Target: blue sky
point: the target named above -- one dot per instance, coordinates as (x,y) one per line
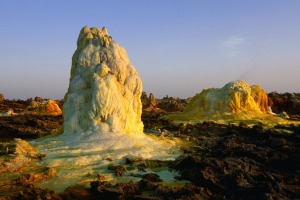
(178,47)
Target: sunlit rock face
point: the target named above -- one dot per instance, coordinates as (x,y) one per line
(105,89)
(234,98)
(48,107)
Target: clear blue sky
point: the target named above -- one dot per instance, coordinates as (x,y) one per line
(178,47)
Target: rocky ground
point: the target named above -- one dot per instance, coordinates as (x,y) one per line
(223,162)
(288,102)
(29,126)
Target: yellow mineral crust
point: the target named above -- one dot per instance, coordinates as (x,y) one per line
(236,101)
(48,107)
(105,89)
(260,97)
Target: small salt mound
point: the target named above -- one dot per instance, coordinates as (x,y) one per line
(233,99)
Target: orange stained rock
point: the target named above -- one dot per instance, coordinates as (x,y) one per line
(50,107)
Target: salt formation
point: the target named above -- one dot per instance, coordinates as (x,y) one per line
(105,89)
(235,98)
(48,107)
(19,153)
(102,114)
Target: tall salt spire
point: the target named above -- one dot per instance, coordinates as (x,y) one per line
(105,89)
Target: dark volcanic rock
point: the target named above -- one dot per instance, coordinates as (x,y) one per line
(32,192)
(171,104)
(166,104)
(105,190)
(134,160)
(75,192)
(17,105)
(38,99)
(24,186)
(29,126)
(236,178)
(244,163)
(1,97)
(147,189)
(119,170)
(152,177)
(288,102)
(144,100)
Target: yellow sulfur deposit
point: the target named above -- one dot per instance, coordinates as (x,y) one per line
(235,102)
(48,107)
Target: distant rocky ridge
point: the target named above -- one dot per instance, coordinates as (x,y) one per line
(278,102)
(38,105)
(164,105)
(22,122)
(30,126)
